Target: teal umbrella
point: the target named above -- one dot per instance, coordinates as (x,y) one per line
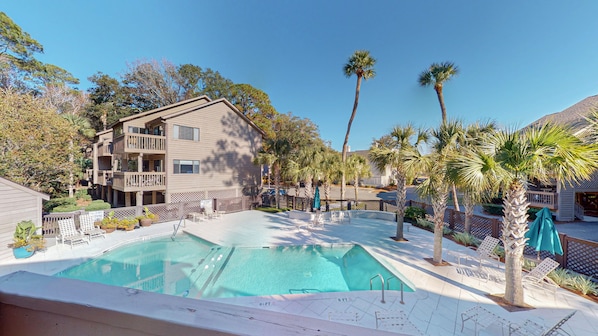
(317,198)
(542,234)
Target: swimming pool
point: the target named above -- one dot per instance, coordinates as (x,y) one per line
(195,268)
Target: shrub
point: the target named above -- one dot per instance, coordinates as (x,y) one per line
(426,224)
(561,276)
(466,239)
(82,194)
(493,209)
(65,208)
(97,205)
(584,284)
(412,212)
(56,202)
(532,212)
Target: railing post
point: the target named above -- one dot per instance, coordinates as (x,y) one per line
(495,228)
(564,243)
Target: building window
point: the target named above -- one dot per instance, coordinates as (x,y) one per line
(186,133)
(186,167)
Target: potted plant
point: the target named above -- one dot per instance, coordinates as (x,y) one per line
(154,217)
(109,223)
(147,218)
(127,224)
(26,242)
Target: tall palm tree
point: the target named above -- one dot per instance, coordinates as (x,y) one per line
(361,64)
(331,170)
(436,75)
(274,154)
(357,168)
(513,158)
(437,185)
(309,159)
(400,151)
(81,128)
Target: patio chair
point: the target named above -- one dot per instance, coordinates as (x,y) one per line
(209,212)
(482,318)
(69,234)
(486,250)
(88,227)
(538,276)
(397,321)
(531,328)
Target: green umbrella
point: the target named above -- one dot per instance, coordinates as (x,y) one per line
(542,234)
(317,198)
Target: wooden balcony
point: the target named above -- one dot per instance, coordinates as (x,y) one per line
(104,149)
(133,181)
(140,143)
(543,199)
(104,177)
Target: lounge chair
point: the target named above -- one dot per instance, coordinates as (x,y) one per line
(69,233)
(531,328)
(538,276)
(209,212)
(397,321)
(482,318)
(486,250)
(88,227)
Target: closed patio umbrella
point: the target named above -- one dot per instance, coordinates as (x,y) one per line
(317,198)
(542,234)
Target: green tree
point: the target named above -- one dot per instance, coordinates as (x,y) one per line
(513,158)
(80,128)
(274,154)
(436,75)
(444,140)
(400,151)
(19,69)
(357,168)
(34,142)
(360,64)
(255,104)
(331,167)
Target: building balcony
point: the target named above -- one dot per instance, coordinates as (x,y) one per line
(134,181)
(139,143)
(104,148)
(104,177)
(543,199)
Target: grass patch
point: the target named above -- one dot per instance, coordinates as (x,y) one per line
(272,210)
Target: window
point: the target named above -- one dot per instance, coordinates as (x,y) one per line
(186,167)
(186,133)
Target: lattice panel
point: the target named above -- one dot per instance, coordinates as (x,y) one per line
(459,224)
(233,204)
(122,213)
(480,226)
(582,256)
(188,197)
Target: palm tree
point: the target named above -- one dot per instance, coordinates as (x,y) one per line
(274,154)
(437,185)
(400,151)
(361,64)
(436,75)
(357,168)
(331,171)
(81,127)
(309,160)
(512,158)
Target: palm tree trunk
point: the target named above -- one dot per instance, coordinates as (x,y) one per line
(401,198)
(308,191)
(277,185)
(440,96)
(346,142)
(71,175)
(469,207)
(356,187)
(455,198)
(439,206)
(513,237)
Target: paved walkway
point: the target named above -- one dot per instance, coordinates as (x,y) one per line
(443,292)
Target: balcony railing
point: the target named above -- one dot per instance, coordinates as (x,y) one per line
(133,181)
(104,177)
(104,149)
(140,143)
(542,199)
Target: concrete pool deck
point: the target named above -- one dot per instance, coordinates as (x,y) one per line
(443,292)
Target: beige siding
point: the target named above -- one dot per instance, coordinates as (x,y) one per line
(15,205)
(226,149)
(141,121)
(566,197)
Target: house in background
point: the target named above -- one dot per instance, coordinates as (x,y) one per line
(17,203)
(192,150)
(569,202)
(379,178)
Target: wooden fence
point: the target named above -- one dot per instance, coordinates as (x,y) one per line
(579,255)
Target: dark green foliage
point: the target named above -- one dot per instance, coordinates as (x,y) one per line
(59,202)
(493,209)
(65,208)
(97,205)
(412,212)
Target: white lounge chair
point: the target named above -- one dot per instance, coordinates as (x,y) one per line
(486,250)
(481,318)
(538,276)
(88,227)
(69,233)
(531,328)
(344,317)
(397,321)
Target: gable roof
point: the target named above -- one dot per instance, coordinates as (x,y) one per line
(214,102)
(574,116)
(183,102)
(23,188)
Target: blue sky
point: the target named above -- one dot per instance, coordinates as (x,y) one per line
(518,60)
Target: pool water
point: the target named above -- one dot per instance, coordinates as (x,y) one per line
(194,268)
